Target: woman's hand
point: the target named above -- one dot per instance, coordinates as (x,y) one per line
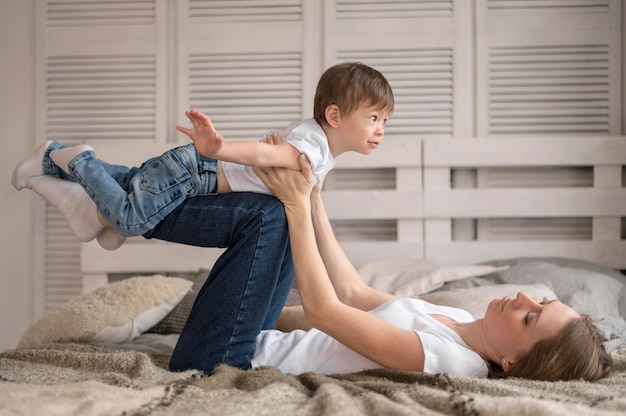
(293,188)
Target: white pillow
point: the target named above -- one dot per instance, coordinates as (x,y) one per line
(411,277)
(114,313)
(475,299)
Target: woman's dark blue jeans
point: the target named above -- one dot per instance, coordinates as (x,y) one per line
(248,285)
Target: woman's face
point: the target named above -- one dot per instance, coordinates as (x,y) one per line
(514,325)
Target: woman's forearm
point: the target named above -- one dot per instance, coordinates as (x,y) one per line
(344,277)
(317,293)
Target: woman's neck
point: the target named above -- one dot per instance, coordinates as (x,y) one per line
(473,334)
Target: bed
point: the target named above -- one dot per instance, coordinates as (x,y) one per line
(106,352)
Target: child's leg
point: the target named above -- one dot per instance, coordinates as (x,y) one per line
(153,191)
(72,201)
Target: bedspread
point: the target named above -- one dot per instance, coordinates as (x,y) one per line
(83,379)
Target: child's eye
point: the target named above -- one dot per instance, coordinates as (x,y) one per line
(373,118)
(526,318)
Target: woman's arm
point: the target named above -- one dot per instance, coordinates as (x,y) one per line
(345,278)
(360,331)
(211,144)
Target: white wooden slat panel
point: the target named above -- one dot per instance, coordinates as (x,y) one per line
(398,9)
(245,11)
(361,253)
(528,203)
(100,12)
(377,197)
(541,6)
(607,253)
(522,151)
(373,204)
(535,229)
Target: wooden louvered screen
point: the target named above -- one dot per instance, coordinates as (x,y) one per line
(128,69)
(544,68)
(100,78)
(415,45)
(245,64)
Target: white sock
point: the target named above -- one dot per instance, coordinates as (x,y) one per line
(31,166)
(63,157)
(109,239)
(72,201)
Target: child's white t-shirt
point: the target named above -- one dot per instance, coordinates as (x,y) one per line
(307,136)
(444,351)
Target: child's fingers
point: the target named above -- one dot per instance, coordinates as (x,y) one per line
(184,130)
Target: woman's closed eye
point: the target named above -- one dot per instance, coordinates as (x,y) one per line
(544,301)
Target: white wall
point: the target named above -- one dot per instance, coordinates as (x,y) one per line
(17,139)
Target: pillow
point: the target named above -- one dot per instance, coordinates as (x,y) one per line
(588,292)
(174,322)
(114,313)
(411,277)
(475,299)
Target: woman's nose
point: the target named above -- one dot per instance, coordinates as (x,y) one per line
(521,299)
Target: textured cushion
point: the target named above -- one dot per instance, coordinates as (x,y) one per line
(410,277)
(174,322)
(114,313)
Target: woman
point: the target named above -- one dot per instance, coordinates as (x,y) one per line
(519,336)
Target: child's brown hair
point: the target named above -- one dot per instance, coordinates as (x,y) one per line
(349,84)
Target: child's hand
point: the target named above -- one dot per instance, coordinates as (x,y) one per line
(207,140)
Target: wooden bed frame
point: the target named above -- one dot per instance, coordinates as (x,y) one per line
(424,204)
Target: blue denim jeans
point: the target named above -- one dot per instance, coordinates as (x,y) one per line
(135,201)
(248,285)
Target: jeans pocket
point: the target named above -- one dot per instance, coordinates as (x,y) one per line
(165,172)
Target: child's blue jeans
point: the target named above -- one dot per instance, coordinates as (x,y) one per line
(135,200)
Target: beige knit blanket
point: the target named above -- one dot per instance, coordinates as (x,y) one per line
(80,379)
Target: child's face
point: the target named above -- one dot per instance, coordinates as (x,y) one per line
(362,131)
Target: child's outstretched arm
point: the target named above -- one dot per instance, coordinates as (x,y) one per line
(211,144)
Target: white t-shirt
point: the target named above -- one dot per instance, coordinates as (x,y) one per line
(307,136)
(444,351)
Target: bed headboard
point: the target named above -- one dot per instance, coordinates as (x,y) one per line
(455,201)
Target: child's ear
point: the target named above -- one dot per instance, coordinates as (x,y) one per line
(332,114)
